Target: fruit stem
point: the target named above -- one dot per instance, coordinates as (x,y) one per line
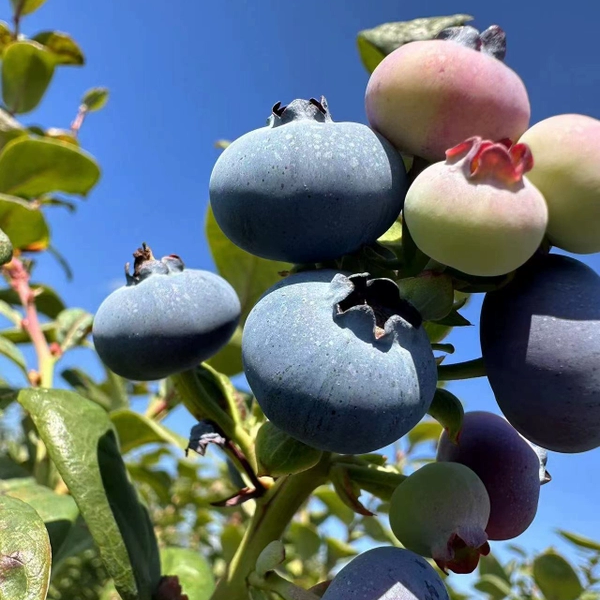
(463,370)
(273,582)
(19,278)
(273,513)
(203,406)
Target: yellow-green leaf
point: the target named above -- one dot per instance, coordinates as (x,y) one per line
(63,48)
(555,577)
(375,44)
(24,223)
(31,167)
(6,37)
(26,7)
(95,99)
(27,69)
(24,552)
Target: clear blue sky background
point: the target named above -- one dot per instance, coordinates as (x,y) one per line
(184,74)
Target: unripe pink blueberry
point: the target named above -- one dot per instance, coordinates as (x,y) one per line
(477,212)
(430,95)
(567,155)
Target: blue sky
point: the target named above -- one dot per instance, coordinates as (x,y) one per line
(184,74)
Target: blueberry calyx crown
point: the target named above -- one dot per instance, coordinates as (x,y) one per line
(502,161)
(145,265)
(492,41)
(382,296)
(315,110)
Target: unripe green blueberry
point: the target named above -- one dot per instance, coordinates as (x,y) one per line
(477,212)
(566,170)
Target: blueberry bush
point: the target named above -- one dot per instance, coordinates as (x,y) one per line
(343,256)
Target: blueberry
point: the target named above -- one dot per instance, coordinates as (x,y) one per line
(506,464)
(164,320)
(387,573)
(540,341)
(339,362)
(306,189)
(441,511)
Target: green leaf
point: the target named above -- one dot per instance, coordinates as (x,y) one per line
(271,557)
(63,48)
(305,539)
(448,411)
(414,260)
(454,319)
(377,480)
(58,512)
(24,223)
(27,69)
(81,442)
(374,529)
(47,300)
(279,454)
(555,577)
(375,44)
(336,507)
(54,201)
(489,565)
(25,554)
(370,55)
(72,327)
(337,550)
(231,538)
(83,384)
(10,128)
(430,293)
(228,360)
(195,575)
(347,490)
(425,431)
(9,469)
(579,540)
(6,37)
(494,586)
(26,7)
(159,481)
(31,167)
(19,336)
(6,248)
(14,316)
(249,275)
(136,430)
(95,99)
(13,353)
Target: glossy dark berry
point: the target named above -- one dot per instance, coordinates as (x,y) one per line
(540,340)
(387,573)
(507,465)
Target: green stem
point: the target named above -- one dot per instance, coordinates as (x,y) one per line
(273,513)
(275,583)
(202,405)
(463,370)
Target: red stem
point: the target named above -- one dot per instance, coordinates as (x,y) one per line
(19,280)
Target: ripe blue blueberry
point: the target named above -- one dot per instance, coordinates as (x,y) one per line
(340,362)
(540,340)
(306,189)
(387,573)
(165,320)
